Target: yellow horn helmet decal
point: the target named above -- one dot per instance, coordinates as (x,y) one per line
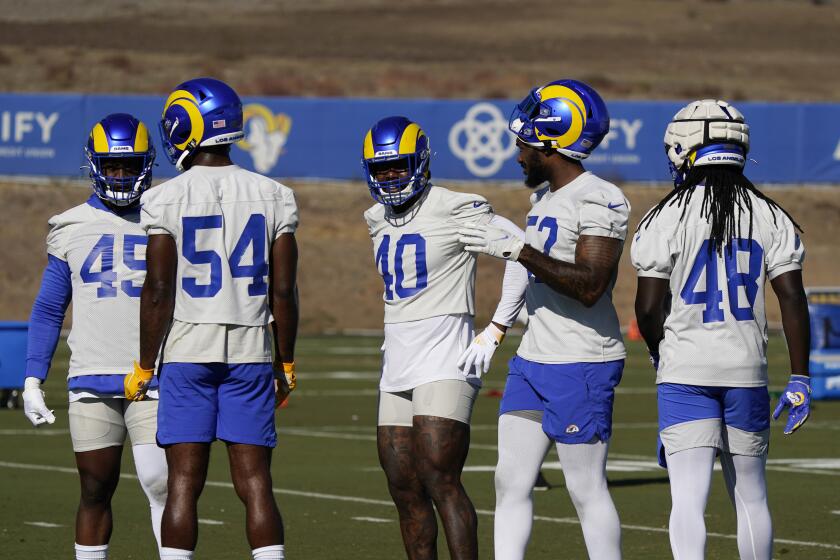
(188,101)
(577,108)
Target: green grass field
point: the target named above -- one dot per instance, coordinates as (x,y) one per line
(333,495)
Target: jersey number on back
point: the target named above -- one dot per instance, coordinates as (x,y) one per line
(103,251)
(713,297)
(253,236)
(408,240)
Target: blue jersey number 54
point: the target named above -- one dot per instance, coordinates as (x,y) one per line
(253,235)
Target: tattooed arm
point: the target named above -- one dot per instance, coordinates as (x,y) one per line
(586,280)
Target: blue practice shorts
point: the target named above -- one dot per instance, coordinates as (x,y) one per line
(204,402)
(732,419)
(576,399)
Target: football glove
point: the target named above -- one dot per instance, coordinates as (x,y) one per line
(34,406)
(137,382)
(654,361)
(493,241)
(797,395)
(478,354)
(283,386)
(289,372)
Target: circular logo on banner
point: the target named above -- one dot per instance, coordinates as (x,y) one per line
(482,140)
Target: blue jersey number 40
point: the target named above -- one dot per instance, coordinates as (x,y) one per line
(712,297)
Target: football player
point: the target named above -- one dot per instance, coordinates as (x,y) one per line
(96,258)
(425,400)
(222,261)
(561,383)
(703,255)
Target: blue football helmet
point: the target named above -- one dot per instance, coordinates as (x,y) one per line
(565,115)
(122,140)
(200,112)
(392,142)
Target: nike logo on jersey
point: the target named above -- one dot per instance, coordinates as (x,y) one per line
(477,204)
(612,206)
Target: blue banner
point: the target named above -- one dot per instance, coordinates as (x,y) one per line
(824,309)
(322,137)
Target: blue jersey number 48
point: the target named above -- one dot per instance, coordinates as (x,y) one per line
(711,297)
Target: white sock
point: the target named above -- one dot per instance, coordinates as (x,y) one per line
(175,554)
(690,472)
(95,552)
(273,552)
(522,448)
(585,470)
(747,488)
(150,462)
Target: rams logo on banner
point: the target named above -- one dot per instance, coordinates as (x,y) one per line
(265,135)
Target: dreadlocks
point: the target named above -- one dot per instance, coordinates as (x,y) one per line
(725,197)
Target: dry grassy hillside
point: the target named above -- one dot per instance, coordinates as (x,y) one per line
(340,288)
(643,49)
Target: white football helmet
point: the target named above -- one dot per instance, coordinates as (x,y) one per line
(706,132)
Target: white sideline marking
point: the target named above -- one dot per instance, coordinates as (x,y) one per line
(388,503)
(33,431)
(372,519)
(42,524)
(633,463)
(346,375)
(352,350)
(337,393)
(210,522)
(836,512)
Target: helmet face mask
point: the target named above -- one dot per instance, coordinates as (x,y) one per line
(200,112)
(395,159)
(120,157)
(567,116)
(705,132)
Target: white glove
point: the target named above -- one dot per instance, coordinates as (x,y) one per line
(480,351)
(33,403)
(490,240)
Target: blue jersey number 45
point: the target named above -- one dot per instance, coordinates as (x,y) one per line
(707,260)
(103,251)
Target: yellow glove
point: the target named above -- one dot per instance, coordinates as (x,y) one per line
(289,371)
(137,382)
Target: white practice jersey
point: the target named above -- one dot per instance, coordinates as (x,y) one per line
(716,329)
(425,269)
(561,329)
(106,254)
(223,220)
